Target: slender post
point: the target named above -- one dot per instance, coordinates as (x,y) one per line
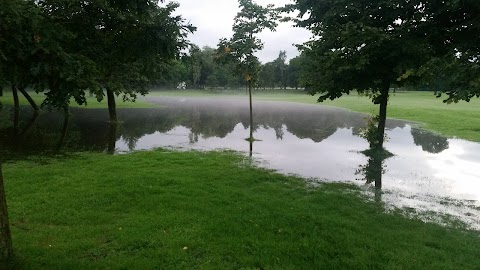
(251,108)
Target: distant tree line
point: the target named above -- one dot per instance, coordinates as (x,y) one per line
(199,68)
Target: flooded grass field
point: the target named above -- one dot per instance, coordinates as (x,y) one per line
(428,173)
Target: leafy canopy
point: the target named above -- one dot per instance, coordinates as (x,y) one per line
(241,48)
(360,45)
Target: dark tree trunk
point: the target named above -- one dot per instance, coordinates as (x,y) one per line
(112,107)
(29,98)
(6,247)
(66,121)
(112,137)
(251,147)
(251,108)
(16,122)
(378,163)
(16,102)
(29,125)
(382,114)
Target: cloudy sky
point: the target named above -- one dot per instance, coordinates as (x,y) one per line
(214,20)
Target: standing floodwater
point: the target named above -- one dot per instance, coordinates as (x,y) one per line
(428,172)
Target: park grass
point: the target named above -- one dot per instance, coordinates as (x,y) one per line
(460,120)
(92,103)
(195,210)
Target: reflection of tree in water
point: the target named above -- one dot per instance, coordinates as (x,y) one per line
(89,128)
(429,141)
(373,171)
(24,135)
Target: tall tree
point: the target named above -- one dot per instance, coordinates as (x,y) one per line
(6,248)
(131,43)
(266,76)
(19,37)
(281,69)
(241,48)
(362,45)
(455,37)
(195,65)
(294,69)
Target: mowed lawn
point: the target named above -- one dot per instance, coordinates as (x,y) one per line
(453,120)
(195,210)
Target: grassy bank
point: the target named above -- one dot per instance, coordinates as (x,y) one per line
(191,210)
(454,120)
(7,99)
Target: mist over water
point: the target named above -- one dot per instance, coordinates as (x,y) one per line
(428,172)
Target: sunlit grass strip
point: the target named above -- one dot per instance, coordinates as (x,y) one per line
(194,210)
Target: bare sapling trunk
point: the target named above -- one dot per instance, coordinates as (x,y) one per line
(6,247)
(251,108)
(112,107)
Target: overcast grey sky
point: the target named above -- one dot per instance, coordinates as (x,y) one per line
(214,19)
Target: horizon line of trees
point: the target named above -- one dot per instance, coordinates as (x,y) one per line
(200,69)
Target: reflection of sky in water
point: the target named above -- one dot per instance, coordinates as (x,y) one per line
(413,178)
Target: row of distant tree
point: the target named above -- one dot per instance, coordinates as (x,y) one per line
(200,69)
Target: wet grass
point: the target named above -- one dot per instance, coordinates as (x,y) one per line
(194,210)
(7,99)
(454,120)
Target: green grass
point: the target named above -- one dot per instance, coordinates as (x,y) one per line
(193,210)
(453,120)
(7,99)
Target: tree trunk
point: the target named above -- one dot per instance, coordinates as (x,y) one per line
(251,108)
(6,247)
(112,137)
(66,121)
(382,114)
(29,125)
(112,107)
(29,98)
(16,122)
(251,148)
(378,170)
(16,102)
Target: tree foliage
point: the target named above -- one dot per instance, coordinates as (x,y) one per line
(241,48)
(455,37)
(69,48)
(361,45)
